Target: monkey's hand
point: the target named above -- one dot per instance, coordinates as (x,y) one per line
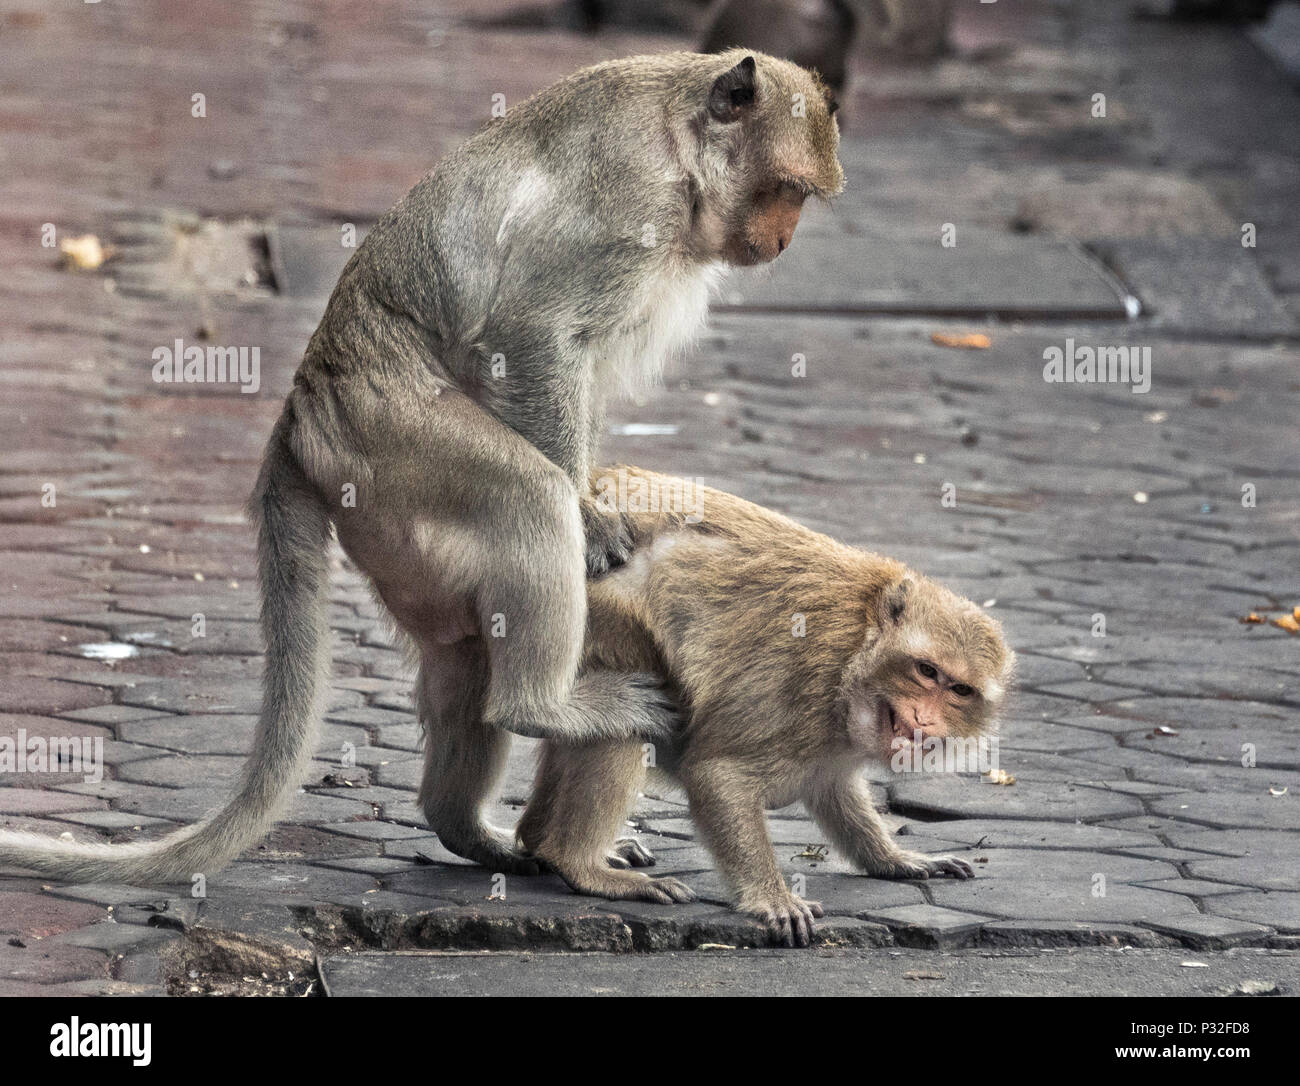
(629,852)
(788,918)
(609,538)
(916,865)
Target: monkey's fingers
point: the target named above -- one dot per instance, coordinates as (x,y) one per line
(632,853)
(951,865)
(677,890)
(609,539)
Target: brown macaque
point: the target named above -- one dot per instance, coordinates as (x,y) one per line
(798,662)
(447,413)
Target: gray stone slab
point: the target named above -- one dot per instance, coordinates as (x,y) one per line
(1262,812)
(907,273)
(1212,932)
(117,938)
(1068,933)
(1275,910)
(928,925)
(1199,284)
(1034,884)
(273,882)
(895,972)
(964,797)
(986,833)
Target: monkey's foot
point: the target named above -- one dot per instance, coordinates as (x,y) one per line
(788,917)
(915,865)
(493,850)
(623,885)
(609,538)
(629,852)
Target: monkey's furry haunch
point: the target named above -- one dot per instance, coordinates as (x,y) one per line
(447,412)
(798,660)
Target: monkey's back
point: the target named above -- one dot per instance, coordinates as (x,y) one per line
(751,614)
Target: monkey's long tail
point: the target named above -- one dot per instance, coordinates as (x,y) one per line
(293,534)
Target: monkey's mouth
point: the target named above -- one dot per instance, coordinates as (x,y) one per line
(893,727)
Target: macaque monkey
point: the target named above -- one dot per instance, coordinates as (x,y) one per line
(446,413)
(798,661)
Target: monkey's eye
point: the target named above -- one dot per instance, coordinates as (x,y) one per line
(962,690)
(927,669)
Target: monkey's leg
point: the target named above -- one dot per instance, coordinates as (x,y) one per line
(727,805)
(463,521)
(842,807)
(463,757)
(585,793)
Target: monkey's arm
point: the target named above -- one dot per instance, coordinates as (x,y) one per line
(727,805)
(842,807)
(548,397)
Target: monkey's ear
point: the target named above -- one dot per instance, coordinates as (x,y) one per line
(732,92)
(894,601)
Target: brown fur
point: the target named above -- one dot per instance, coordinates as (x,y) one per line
(772,716)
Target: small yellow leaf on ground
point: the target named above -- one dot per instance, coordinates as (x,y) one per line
(1288,623)
(1251,619)
(1000,776)
(971,341)
(84,253)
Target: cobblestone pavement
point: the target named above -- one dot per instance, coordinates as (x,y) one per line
(1119,536)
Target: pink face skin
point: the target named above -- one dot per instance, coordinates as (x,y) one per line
(768,229)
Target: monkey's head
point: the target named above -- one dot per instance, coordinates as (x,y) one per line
(768,141)
(938,666)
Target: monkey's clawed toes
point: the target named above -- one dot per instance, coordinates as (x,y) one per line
(673,891)
(629,852)
(609,540)
(950,865)
(914,865)
(789,921)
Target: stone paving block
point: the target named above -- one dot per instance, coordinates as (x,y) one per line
(272,882)
(377,866)
(30,801)
(1266,860)
(30,915)
(1068,933)
(112,896)
(928,925)
(111,821)
(1212,932)
(471,885)
(1276,909)
(223,734)
(1260,812)
(1044,885)
(377,830)
(116,938)
(963,797)
(47,962)
(910,274)
(1199,284)
(985,833)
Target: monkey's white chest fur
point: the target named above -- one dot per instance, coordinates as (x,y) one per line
(662,322)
